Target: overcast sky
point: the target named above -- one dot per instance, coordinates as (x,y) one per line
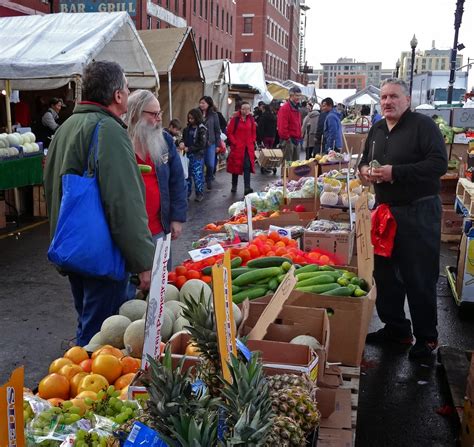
(378,30)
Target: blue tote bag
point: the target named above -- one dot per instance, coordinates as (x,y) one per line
(82,242)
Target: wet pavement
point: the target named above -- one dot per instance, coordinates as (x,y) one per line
(398,398)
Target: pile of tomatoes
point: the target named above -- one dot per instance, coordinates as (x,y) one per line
(263,245)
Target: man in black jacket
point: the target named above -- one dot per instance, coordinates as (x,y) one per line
(411,156)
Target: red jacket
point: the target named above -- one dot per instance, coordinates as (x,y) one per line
(241,135)
(289,122)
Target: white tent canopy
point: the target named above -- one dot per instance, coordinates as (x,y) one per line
(47,51)
(337,95)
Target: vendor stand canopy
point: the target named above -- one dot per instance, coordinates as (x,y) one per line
(249,77)
(174,54)
(337,95)
(40,52)
(368,96)
(280,90)
(216,75)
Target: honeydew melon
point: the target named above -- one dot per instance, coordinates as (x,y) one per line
(134,337)
(193,288)
(113,330)
(133,309)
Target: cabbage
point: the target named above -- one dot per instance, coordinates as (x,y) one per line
(329,198)
(14,139)
(236,208)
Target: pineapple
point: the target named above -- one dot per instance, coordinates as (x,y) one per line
(190,432)
(247,402)
(280,381)
(299,405)
(202,327)
(285,432)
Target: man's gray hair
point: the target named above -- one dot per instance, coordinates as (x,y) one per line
(137,102)
(101,80)
(294,90)
(396,81)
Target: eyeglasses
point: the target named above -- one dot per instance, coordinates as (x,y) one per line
(156,115)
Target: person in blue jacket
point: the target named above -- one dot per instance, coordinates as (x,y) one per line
(332,131)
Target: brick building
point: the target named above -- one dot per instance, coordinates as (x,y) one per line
(268,31)
(213,21)
(347,73)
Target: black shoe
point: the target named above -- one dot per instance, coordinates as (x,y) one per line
(248,191)
(209,185)
(233,189)
(422,350)
(384,336)
(199,197)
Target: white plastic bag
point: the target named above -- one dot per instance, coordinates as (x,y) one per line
(185,163)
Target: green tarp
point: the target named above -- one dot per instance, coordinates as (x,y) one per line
(22,172)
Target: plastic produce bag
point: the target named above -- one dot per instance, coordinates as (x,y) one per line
(185,163)
(384,229)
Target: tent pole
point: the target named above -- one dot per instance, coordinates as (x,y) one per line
(7,105)
(170,99)
(78,88)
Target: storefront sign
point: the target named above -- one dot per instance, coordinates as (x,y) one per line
(463,117)
(129,6)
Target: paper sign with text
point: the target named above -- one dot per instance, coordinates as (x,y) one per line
(248,203)
(156,301)
(224,313)
(206,252)
(365,249)
(12,432)
(281,231)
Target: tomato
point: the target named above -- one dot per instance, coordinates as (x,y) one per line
(280,244)
(324,259)
(180,280)
(254,251)
(262,237)
(245,255)
(270,242)
(280,251)
(300,208)
(266,248)
(292,243)
(299,259)
(285,240)
(271,253)
(193,274)
(180,270)
(274,236)
(207,279)
(171,276)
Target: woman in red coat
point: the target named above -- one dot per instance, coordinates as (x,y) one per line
(242,134)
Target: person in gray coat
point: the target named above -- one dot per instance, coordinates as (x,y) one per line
(308,131)
(211,121)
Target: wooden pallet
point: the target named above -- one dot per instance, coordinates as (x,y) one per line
(351,381)
(450,237)
(221,165)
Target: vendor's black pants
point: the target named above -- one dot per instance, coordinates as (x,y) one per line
(412,270)
(247,169)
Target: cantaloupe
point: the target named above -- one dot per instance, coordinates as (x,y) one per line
(113,329)
(193,288)
(176,307)
(133,309)
(96,339)
(171,293)
(307,340)
(179,324)
(167,327)
(134,338)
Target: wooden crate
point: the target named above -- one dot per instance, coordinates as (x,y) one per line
(351,381)
(465,195)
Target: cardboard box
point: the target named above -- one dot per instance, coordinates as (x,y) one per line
(291,322)
(305,170)
(326,167)
(285,219)
(451,221)
(467,424)
(465,268)
(340,418)
(355,142)
(330,437)
(448,188)
(270,158)
(340,244)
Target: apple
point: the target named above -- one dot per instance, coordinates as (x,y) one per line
(300,208)
(93,382)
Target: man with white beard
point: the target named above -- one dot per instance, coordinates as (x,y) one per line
(165,187)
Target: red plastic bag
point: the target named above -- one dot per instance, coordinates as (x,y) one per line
(384,228)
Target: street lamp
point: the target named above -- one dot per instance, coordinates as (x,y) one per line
(454,51)
(413,44)
(397,66)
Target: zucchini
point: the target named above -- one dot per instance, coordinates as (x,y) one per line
(235,273)
(340,291)
(251,294)
(256,275)
(235,263)
(307,269)
(319,289)
(317,280)
(270,261)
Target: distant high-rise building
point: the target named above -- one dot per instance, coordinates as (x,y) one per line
(347,73)
(427,60)
(268,31)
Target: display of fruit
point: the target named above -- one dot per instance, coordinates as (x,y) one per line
(85,439)
(285,432)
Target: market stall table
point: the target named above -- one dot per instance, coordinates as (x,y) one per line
(21,172)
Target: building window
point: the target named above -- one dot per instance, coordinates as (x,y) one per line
(230,55)
(268,27)
(158,24)
(231,24)
(227,22)
(222,53)
(200,8)
(167,4)
(248,25)
(205,48)
(217,16)
(217,52)
(205,9)
(176,6)
(227,54)
(200,46)
(247,56)
(223,17)
(212,12)
(194,6)
(149,22)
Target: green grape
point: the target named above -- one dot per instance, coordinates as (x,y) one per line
(110,390)
(67,404)
(74,410)
(100,395)
(116,394)
(118,405)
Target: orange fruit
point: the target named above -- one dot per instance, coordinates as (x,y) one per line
(69,371)
(55,401)
(75,382)
(92,382)
(130,365)
(86,365)
(57,364)
(124,381)
(108,366)
(108,349)
(77,354)
(87,393)
(54,385)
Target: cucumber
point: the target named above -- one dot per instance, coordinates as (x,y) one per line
(307,269)
(270,261)
(340,291)
(349,275)
(235,263)
(317,280)
(326,268)
(309,275)
(236,289)
(256,275)
(273,284)
(240,271)
(343,282)
(251,294)
(358,292)
(145,169)
(319,289)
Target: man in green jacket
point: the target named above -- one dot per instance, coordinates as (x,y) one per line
(105,97)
